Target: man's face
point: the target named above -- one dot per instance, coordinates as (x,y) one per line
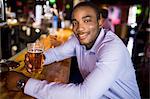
(85,25)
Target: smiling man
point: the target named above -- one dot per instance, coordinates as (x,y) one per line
(86,25)
(103,60)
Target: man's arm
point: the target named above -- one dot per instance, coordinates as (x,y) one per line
(94,85)
(61,52)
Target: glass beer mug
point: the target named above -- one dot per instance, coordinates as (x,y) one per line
(36,58)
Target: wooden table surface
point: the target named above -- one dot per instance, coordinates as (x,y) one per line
(58,71)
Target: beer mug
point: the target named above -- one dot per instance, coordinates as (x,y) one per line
(35,54)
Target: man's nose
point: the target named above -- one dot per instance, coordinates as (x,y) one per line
(80,27)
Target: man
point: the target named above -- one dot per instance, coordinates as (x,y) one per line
(103,60)
(105,21)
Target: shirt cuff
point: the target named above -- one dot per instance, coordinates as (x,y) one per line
(31,86)
(49,56)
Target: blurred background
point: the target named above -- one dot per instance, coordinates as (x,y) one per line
(23,21)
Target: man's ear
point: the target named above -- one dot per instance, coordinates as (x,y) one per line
(100,22)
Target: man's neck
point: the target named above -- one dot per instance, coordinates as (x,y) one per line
(90,45)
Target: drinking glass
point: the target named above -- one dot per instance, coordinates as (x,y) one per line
(36,57)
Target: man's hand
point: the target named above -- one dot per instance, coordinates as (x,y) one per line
(28,66)
(12,79)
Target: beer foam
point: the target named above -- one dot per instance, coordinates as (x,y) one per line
(35,50)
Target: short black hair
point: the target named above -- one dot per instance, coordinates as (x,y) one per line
(88,4)
(104,13)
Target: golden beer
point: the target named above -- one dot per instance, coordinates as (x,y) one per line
(35,55)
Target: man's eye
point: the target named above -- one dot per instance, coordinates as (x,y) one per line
(74,23)
(86,21)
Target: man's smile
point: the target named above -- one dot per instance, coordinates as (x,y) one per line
(83,36)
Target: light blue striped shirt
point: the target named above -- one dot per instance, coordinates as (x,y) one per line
(106,68)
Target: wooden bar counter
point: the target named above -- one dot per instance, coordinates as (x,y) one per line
(58,71)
